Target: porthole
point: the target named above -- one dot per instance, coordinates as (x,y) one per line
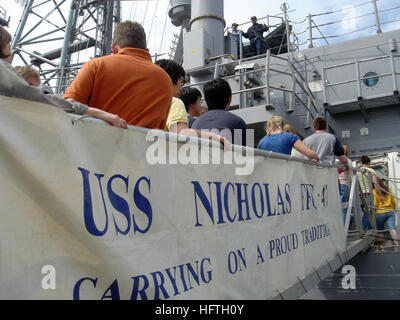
(370,79)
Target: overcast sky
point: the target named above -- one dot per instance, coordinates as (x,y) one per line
(153,15)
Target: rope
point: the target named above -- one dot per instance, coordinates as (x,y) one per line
(343,9)
(323,37)
(299,33)
(345,34)
(145,13)
(152,21)
(334,22)
(300,22)
(361,16)
(134,14)
(163,33)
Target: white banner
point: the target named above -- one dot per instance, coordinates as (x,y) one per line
(86,215)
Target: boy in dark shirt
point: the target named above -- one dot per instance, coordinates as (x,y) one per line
(218,96)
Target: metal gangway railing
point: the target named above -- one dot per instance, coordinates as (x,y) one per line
(297,89)
(358,79)
(358,240)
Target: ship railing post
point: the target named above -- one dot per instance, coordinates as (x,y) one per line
(307,125)
(378,25)
(267,64)
(285,8)
(353,188)
(394,75)
(242,95)
(324,86)
(310,32)
(357,64)
(370,199)
(358,212)
(240,46)
(293,93)
(216,70)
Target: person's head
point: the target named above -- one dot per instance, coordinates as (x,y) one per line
(253,19)
(382,185)
(175,72)
(30,75)
(191,97)
(128,34)
(218,94)
(346,150)
(320,123)
(234,26)
(273,124)
(5,45)
(289,128)
(365,161)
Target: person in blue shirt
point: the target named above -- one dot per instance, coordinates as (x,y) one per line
(235,37)
(279,141)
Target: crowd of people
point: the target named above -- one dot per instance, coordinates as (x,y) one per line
(127,88)
(326,147)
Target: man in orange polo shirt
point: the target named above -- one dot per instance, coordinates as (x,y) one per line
(126,83)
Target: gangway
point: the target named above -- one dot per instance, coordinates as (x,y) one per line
(93,212)
(376,268)
(357,243)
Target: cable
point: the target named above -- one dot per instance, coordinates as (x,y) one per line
(152,21)
(334,22)
(165,24)
(343,9)
(345,34)
(361,16)
(294,22)
(145,13)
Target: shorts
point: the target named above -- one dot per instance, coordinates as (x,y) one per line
(385,221)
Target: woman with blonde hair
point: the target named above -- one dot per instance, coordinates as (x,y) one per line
(277,140)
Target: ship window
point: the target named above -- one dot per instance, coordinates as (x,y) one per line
(370,79)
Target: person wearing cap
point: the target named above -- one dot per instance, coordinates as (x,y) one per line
(256,35)
(235,35)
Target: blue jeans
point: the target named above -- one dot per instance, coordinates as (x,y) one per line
(365,221)
(344,197)
(385,220)
(257,47)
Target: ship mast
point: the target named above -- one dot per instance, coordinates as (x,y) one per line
(89,25)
